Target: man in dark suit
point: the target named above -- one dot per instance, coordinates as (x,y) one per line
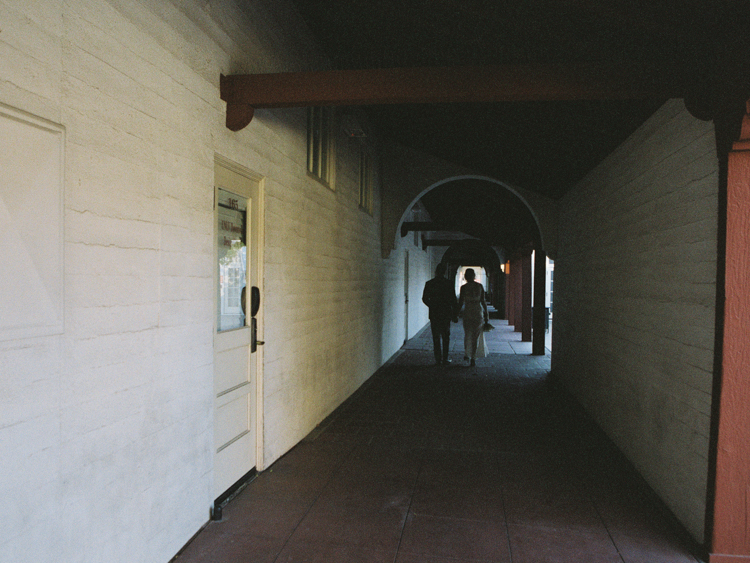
(440,297)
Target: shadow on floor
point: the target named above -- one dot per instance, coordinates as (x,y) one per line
(448,464)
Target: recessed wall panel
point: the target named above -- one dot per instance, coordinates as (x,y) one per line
(31,226)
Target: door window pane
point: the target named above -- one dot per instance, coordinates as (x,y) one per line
(232,258)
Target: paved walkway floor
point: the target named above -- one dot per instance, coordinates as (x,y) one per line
(448,464)
(502,340)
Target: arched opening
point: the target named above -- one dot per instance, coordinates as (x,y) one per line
(480,273)
(482,222)
(482,207)
(466,253)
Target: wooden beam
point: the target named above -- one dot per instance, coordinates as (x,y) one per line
(508,83)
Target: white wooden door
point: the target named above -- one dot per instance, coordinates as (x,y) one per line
(238,216)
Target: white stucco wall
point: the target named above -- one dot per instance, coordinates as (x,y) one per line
(635,292)
(334,308)
(106,426)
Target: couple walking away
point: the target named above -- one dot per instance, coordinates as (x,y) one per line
(440,297)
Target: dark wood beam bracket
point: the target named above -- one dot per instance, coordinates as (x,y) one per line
(239,116)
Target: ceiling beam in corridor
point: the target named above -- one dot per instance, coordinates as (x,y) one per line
(506,83)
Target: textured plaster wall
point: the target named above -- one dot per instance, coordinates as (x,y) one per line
(106,429)
(635,291)
(335,310)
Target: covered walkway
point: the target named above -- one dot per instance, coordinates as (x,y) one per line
(449,464)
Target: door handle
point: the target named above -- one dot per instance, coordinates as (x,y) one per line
(254,342)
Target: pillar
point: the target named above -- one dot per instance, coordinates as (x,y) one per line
(508,286)
(517,269)
(730,531)
(526,298)
(539,321)
(498,298)
(512,293)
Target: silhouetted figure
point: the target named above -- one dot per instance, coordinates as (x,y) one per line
(440,297)
(475,313)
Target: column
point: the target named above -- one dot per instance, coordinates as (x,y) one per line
(517,268)
(540,313)
(730,536)
(526,298)
(512,293)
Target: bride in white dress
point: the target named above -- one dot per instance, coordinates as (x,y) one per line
(475,313)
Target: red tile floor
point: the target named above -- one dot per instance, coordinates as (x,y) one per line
(449,464)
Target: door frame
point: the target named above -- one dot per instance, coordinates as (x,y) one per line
(258,262)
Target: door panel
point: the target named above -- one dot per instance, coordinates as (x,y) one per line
(232,421)
(238,265)
(231,365)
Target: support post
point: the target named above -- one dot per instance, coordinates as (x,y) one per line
(508,285)
(540,313)
(518,296)
(498,290)
(730,536)
(511,294)
(526,298)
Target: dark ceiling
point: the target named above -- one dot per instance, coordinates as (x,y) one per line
(461,205)
(545,147)
(542,146)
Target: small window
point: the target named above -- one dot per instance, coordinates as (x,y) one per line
(365,180)
(320,137)
(232,259)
